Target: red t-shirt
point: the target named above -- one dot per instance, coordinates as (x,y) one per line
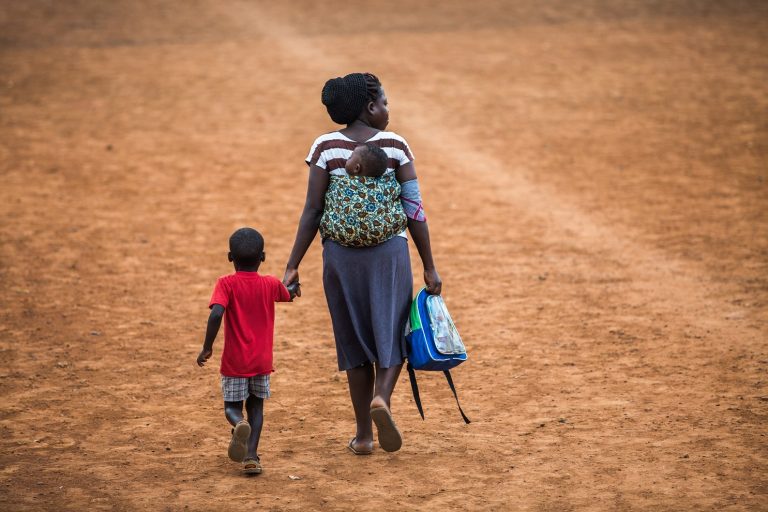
(249,321)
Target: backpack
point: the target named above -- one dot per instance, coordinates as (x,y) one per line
(432,343)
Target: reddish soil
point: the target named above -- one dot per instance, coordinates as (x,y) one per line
(595,178)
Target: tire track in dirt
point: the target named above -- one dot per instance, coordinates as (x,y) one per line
(671,283)
(632,399)
(650,286)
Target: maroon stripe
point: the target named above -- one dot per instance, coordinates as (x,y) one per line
(335,163)
(330,144)
(351,145)
(394,143)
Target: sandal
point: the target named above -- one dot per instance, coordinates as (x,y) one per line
(252,466)
(351,447)
(390,438)
(237,448)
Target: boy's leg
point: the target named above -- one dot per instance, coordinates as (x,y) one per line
(255,407)
(235,390)
(234,412)
(361,381)
(237,445)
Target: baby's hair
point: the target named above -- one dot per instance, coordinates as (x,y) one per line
(246,246)
(375,159)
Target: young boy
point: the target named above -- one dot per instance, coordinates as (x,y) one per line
(248,299)
(363,209)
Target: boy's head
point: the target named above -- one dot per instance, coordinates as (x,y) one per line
(246,248)
(367,160)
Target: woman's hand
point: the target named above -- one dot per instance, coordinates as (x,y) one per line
(433,282)
(291,276)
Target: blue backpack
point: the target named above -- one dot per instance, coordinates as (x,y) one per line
(432,343)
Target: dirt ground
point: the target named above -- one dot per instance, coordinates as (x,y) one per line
(595,179)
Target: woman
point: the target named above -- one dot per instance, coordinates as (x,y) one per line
(368,289)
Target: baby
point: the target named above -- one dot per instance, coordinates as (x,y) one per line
(363,209)
(367,160)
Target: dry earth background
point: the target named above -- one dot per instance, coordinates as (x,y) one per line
(595,175)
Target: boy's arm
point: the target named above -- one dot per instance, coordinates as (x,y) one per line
(214,323)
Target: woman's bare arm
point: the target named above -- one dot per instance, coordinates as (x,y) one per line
(420,234)
(309,222)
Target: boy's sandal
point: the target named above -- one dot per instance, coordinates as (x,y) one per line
(357,451)
(252,467)
(390,438)
(237,446)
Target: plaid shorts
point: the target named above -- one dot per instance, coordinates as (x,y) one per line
(236,389)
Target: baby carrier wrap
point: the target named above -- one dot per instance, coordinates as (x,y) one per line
(362,211)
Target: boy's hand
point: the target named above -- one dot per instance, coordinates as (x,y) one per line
(294,289)
(205,354)
(291,282)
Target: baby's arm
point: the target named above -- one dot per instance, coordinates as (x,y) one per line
(214,323)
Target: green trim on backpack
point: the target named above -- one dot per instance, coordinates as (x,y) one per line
(415,319)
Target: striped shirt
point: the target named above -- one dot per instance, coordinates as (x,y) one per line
(331,151)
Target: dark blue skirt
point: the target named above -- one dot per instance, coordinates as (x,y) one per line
(369,297)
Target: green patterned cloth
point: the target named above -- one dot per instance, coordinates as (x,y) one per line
(362,211)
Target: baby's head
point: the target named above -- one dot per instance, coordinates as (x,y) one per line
(246,249)
(367,160)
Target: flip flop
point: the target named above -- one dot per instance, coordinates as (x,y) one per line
(252,467)
(390,438)
(237,448)
(351,447)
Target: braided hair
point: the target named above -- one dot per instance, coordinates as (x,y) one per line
(346,97)
(372,86)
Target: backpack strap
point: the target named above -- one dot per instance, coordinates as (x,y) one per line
(417,397)
(453,388)
(415,389)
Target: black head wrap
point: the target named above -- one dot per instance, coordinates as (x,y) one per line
(345,98)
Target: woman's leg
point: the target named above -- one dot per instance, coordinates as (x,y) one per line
(390,438)
(386,378)
(361,381)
